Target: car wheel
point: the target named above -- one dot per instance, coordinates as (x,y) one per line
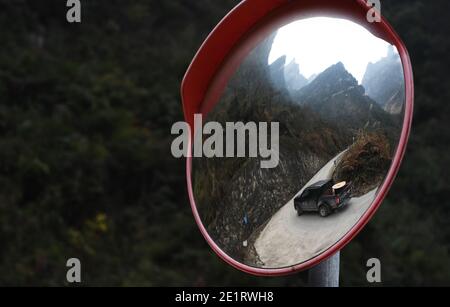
(324,211)
(299,212)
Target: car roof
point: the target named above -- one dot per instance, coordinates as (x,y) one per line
(319,184)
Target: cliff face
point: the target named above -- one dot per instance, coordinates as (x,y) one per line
(253,195)
(384,83)
(333,80)
(276,70)
(337,98)
(231,191)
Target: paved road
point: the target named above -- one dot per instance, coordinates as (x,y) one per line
(289,239)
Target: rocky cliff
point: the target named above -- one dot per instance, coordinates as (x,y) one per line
(337,98)
(384,83)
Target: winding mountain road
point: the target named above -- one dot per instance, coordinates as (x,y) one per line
(288,239)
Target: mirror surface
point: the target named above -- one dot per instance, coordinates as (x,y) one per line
(338,94)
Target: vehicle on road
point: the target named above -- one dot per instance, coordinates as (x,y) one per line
(324,197)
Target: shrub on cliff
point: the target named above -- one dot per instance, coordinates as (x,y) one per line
(365,163)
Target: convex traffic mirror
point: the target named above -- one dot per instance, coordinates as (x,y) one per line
(327,97)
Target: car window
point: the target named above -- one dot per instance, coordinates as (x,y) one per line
(306,194)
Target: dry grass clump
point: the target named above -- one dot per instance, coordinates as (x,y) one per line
(365,163)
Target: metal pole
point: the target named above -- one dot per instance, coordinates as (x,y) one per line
(326,274)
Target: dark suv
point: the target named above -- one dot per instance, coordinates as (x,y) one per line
(323,197)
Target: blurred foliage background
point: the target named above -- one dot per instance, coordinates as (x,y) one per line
(85,164)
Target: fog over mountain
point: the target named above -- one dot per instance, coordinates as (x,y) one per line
(294,79)
(384,82)
(286,77)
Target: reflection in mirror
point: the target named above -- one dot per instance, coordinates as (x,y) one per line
(338,94)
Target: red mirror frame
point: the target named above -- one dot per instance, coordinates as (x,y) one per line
(225,48)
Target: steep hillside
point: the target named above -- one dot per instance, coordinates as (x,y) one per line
(337,98)
(384,83)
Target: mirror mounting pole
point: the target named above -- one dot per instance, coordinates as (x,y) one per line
(325,274)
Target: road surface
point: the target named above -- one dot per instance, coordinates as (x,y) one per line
(288,239)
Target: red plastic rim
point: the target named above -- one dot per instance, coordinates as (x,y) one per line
(227,45)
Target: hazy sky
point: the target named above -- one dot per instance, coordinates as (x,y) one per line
(317,43)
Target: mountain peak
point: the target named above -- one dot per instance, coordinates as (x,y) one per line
(333,80)
(336,68)
(337,74)
(339,65)
(384,82)
(294,79)
(280,62)
(292,62)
